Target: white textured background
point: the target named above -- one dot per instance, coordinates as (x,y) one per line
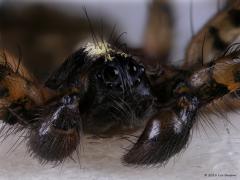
(210,151)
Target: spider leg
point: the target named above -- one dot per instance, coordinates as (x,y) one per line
(51,120)
(58,124)
(219,34)
(19,91)
(57,130)
(167,133)
(211,41)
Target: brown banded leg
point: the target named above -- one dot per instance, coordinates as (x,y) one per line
(211,42)
(19,91)
(53,127)
(20,94)
(51,118)
(218,78)
(224,71)
(214,38)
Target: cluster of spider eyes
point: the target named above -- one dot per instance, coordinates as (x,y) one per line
(111,75)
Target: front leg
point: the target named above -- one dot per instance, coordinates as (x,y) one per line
(57,132)
(166,134)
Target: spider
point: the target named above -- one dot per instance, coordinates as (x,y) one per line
(101,89)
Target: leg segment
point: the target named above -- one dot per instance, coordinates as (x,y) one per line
(216,79)
(53,121)
(212,40)
(57,132)
(166,134)
(19,92)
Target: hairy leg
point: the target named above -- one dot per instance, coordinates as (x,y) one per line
(219,33)
(19,91)
(56,134)
(168,132)
(51,121)
(213,39)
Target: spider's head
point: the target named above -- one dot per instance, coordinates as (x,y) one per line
(115,91)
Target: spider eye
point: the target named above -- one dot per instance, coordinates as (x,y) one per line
(110,74)
(132,69)
(142,69)
(136,72)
